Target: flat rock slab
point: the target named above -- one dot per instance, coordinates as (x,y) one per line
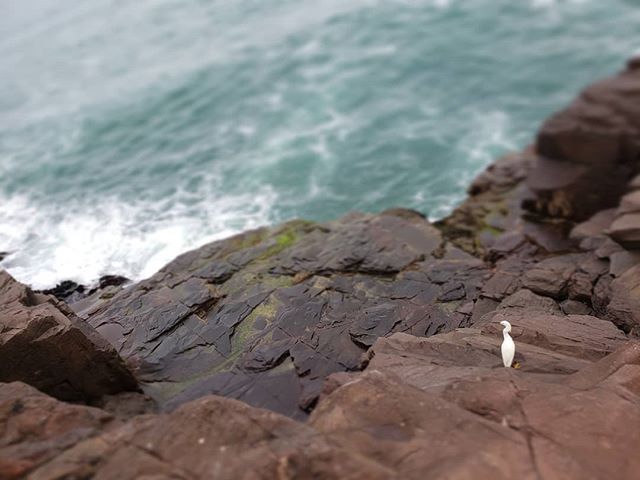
(502,424)
(44,344)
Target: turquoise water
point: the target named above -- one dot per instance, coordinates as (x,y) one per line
(132,131)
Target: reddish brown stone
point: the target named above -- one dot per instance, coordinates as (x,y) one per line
(44,344)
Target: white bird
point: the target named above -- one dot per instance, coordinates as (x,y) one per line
(508,348)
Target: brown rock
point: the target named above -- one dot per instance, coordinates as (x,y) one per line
(418,434)
(622,261)
(551,276)
(579,336)
(526,299)
(44,344)
(630,203)
(574,307)
(44,439)
(625,230)
(596,225)
(624,305)
(628,354)
(589,150)
(36,428)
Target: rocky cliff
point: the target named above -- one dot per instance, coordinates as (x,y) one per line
(366,347)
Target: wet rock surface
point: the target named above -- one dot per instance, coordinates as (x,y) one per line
(264,317)
(380,332)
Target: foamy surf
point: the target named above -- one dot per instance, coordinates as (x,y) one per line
(50,243)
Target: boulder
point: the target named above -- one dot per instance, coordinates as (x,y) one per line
(44,344)
(588,151)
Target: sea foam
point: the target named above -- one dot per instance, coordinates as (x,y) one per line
(48,243)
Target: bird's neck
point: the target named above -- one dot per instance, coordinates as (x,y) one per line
(505,334)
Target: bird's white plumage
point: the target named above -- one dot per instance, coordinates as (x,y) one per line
(508,347)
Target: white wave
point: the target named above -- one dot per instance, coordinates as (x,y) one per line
(50,243)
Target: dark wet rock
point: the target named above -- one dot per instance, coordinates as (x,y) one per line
(125,405)
(44,344)
(112,281)
(383,244)
(67,290)
(267,315)
(87,305)
(490,221)
(74,293)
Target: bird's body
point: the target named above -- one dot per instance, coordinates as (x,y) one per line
(508,347)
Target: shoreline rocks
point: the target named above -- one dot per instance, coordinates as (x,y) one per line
(376,336)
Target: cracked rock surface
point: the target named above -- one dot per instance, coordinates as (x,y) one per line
(363,348)
(265,316)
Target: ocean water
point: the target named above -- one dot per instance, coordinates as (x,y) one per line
(133,131)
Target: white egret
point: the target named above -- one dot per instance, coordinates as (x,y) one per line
(508,348)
